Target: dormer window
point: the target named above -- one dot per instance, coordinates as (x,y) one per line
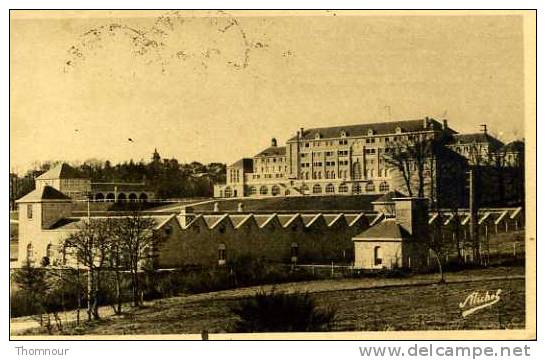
(317,136)
(343,133)
(398,130)
(370,132)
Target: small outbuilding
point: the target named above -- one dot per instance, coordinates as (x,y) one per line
(398,241)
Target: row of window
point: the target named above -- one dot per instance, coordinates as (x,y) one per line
(344,188)
(368,140)
(273,168)
(234,175)
(268,160)
(344,174)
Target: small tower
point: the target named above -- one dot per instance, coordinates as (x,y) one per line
(273,142)
(39,211)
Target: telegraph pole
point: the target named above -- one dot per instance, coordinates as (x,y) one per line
(473,209)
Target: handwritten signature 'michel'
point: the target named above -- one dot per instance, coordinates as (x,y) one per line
(478,300)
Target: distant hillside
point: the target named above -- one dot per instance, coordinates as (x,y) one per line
(301,203)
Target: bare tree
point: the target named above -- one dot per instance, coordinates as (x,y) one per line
(413,156)
(439,245)
(90,245)
(136,238)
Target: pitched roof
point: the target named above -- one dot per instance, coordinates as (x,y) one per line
(380,128)
(272,151)
(386,229)
(245,163)
(514,146)
(61,171)
(44,193)
(477,138)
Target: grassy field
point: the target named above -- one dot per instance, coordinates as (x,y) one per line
(304,203)
(419,306)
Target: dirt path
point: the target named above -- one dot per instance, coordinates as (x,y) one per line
(18,325)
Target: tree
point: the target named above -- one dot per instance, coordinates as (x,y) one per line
(90,245)
(32,283)
(412,156)
(136,238)
(438,245)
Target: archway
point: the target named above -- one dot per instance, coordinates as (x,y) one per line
(275,190)
(99,197)
(143,197)
(133,197)
(122,197)
(110,197)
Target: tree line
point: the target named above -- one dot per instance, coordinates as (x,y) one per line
(166,177)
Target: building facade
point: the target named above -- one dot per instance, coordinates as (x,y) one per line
(68,181)
(352,160)
(393,235)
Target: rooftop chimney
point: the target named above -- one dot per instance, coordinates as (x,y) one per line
(274,142)
(444,126)
(301,132)
(425,122)
(484,128)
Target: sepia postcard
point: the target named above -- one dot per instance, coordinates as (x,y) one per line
(245,174)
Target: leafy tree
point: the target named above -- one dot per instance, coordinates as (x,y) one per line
(33,285)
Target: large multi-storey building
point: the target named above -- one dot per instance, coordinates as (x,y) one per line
(333,160)
(351,159)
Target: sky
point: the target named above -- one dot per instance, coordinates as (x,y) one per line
(217,86)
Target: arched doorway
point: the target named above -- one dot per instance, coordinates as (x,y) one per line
(143,197)
(99,196)
(133,197)
(110,197)
(122,197)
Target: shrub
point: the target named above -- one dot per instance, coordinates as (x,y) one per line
(279,312)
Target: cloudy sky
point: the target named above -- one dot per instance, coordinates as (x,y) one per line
(216,86)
